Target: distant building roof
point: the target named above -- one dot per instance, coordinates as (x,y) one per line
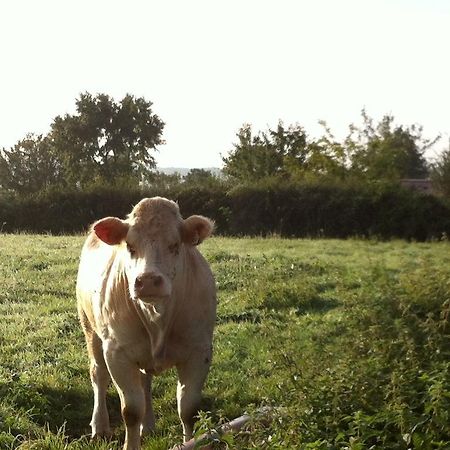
(418,184)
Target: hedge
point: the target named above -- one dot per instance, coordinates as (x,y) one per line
(309,209)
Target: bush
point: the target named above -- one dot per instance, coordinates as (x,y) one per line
(306,209)
(336,210)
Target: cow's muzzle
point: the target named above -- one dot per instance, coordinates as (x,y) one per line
(151,285)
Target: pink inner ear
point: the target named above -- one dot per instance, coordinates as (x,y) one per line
(111,230)
(103,232)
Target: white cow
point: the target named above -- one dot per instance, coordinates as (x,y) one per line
(147,302)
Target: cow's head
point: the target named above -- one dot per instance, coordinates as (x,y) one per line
(152,238)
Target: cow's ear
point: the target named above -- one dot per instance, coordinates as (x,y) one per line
(196,229)
(111,230)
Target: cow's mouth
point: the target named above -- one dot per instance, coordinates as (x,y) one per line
(152,299)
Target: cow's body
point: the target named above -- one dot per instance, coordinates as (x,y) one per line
(147,302)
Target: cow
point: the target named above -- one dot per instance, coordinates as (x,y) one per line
(146,302)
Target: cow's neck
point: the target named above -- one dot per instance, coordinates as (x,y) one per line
(158,317)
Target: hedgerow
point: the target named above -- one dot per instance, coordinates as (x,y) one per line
(302,209)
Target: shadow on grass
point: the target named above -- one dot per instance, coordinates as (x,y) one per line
(58,293)
(317,305)
(251,316)
(73,408)
(274,307)
(303,304)
(70,408)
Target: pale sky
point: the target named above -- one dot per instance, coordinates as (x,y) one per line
(211,66)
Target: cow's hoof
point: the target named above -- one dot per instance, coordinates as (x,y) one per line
(102,435)
(147,430)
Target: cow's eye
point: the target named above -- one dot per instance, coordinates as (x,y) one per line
(174,248)
(131,250)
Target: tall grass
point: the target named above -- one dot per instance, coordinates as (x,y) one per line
(347,341)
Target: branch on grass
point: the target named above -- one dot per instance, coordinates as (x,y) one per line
(206,441)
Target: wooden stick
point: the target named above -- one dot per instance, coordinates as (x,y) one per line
(234,425)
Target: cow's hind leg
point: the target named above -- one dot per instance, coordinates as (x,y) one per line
(100,380)
(128,379)
(191,377)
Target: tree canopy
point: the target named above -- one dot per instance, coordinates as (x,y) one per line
(266,153)
(388,151)
(107,139)
(104,140)
(383,151)
(29,166)
(440,172)
(113,142)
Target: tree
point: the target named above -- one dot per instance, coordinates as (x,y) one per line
(162,181)
(440,173)
(284,152)
(266,153)
(106,140)
(200,177)
(387,151)
(29,166)
(325,157)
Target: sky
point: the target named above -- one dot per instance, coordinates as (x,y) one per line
(211,66)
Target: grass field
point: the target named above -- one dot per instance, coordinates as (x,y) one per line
(347,340)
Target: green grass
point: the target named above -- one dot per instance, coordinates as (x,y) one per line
(347,340)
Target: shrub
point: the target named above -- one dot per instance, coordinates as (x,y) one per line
(304,209)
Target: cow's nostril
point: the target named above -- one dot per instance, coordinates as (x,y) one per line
(138,284)
(157,280)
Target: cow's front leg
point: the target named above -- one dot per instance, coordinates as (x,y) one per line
(191,377)
(127,378)
(100,381)
(148,424)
